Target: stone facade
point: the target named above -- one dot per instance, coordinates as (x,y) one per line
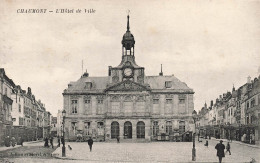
(127,103)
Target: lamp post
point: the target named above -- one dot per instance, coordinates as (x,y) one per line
(194,114)
(63,134)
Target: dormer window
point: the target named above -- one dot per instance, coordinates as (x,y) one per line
(168,84)
(88,85)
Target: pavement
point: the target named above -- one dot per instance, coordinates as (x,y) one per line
(143,152)
(237,142)
(154,152)
(31,143)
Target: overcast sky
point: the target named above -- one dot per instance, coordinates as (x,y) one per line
(210,45)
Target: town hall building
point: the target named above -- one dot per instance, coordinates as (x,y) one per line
(127,103)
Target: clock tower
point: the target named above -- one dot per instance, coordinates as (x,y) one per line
(127,69)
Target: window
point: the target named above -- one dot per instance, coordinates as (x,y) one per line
(168,101)
(20,121)
(115,106)
(156,108)
(19,107)
(253,102)
(100,106)
(87,128)
(140,130)
(88,85)
(6,91)
(181,127)
(155,128)
(247,105)
(169,127)
(168,106)
(74,127)
(168,84)
(74,106)
(114,130)
(100,128)
(87,106)
(181,101)
(155,101)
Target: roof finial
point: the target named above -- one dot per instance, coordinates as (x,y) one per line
(128,27)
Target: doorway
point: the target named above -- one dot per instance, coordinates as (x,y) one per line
(128,130)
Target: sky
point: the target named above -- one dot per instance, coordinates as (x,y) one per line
(210,45)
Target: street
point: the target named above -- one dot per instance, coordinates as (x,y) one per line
(131,152)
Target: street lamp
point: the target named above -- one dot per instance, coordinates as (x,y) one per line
(63,134)
(194,115)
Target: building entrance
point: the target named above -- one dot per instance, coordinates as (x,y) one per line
(128,130)
(114,130)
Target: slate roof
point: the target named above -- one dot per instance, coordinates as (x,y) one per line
(156,83)
(99,84)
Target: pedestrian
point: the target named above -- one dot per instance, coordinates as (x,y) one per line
(118,139)
(206,144)
(21,140)
(13,141)
(220,150)
(46,144)
(90,143)
(58,141)
(228,148)
(253,139)
(7,141)
(51,141)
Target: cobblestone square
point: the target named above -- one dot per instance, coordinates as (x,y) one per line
(156,152)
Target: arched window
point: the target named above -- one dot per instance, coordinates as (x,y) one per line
(128,130)
(140,130)
(114,130)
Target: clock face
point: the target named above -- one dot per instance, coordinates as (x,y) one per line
(128,72)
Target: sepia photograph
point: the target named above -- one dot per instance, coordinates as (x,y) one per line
(129,81)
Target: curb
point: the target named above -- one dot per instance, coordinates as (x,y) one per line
(237,142)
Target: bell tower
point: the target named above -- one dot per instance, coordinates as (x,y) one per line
(127,69)
(128,41)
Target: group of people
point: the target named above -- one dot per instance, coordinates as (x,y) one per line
(250,137)
(12,141)
(46,141)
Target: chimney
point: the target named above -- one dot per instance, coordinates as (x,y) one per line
(161,73)
(109,70)
(211,103)
(248,80)
(220,97)
(29,92)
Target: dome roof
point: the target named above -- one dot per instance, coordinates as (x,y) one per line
(128,36)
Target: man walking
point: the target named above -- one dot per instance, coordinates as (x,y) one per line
(90,143)
(51,141)
(228,148)
(220,150)
(58,141)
